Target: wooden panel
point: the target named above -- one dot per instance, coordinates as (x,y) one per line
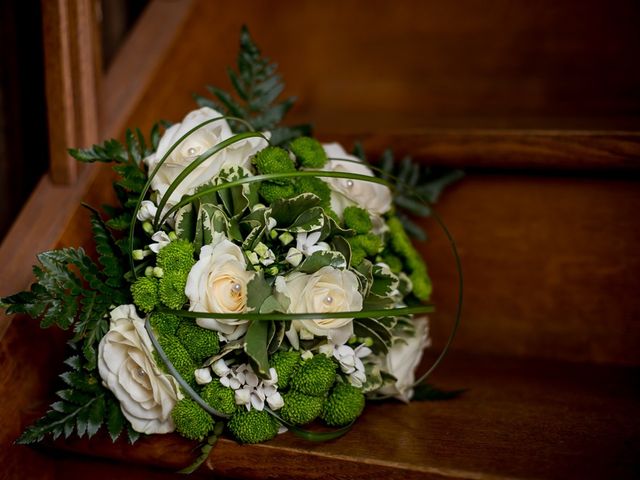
(414,63)
(72,75)
(541,150)
(520,419)
(551,267)
(138,60)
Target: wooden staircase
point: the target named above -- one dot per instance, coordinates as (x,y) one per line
(538,109)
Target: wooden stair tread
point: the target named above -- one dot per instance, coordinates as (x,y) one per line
(519,419)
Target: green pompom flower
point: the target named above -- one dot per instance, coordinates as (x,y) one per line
(201,343)
(343,406)
(179,357)
(316,186)
(309,152)
(145,293)
(273,160)
(164,323)
(402,245)
(300,409)
(172,286)
(272,191)
(191,420)
(315,376)
(357,219)
(253,426)
(285,364)
(176,257)
(219,397)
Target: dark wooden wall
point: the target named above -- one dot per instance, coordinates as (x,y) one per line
(416,64)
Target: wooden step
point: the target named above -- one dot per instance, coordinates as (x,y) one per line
(519,419)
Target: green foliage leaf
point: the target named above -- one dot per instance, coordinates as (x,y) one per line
(258,290)
(317,260)
(308,221)
(110,151)
(257,86)
(255,345)
(83,407)
(109,255)
(286,211)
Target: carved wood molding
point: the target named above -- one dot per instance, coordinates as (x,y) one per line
(72,75)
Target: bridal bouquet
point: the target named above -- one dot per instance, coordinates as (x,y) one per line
(251,279)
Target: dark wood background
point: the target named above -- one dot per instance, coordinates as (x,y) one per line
(540,103)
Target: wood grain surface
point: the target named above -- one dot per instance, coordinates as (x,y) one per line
(72,81)
(519,419)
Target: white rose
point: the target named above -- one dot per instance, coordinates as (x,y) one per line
(327,290)
(127,367)
(374,197)
(403,359)
(217,283)
(195,144)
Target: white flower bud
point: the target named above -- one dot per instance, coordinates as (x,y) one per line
(294,256)
(242,396)
(220,368)
(253,257)
(147,211)
(203,376)
(327,349)
(357,378)
(261,249)
(286,238)
(273,377)
(306,355)
(275,401)
(147,227)
(138,254)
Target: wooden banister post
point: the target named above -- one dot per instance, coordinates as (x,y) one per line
(72,73)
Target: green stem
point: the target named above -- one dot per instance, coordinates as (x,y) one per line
(391,312)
